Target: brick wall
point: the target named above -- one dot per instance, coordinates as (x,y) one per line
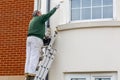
(14,19)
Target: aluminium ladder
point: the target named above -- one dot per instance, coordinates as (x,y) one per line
(48,57)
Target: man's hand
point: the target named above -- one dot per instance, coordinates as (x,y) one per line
(57,6)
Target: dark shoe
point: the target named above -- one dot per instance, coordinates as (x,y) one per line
(31,77)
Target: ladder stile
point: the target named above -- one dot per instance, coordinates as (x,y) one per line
(48,66)
(48,58)
(41,64)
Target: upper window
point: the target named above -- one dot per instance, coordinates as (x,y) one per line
(91,9)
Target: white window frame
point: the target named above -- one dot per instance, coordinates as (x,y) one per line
(70,76)
(112,76)
(91,76)
(114,9)
(108,19)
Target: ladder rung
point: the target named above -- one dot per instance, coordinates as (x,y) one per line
(47,60)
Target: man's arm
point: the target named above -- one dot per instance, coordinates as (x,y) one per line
(49,14)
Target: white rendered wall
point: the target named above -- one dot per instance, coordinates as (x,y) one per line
(87,50)
(118,9)
(43,6)
(84,49)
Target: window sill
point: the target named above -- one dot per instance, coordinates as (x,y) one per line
(82,25)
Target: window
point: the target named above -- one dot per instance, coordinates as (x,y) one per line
(102,79)
(91,9)
(91,76)
(78,78)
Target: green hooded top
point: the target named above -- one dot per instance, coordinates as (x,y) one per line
(37,24)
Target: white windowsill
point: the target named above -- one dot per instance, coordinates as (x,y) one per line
(90,24)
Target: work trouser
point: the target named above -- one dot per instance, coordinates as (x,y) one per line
(33,49)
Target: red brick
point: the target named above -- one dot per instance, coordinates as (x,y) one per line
(14,19)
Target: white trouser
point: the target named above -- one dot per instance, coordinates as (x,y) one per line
(33,49)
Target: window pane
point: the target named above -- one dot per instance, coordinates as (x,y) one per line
(96,2)
(86,13)
(107,12)
(81,9)
(102,79)
(78,79)
(107,2)
(75,14)
(75,3)
(86,3)
(96,13)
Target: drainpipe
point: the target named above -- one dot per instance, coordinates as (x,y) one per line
(48,25)
(48,9)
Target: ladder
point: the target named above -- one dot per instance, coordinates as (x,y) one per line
(48,57)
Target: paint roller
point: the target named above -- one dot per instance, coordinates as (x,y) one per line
(61,1)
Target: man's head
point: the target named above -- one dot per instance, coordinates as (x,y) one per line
(36,13)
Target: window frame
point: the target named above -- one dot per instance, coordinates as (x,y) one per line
(70,76)
(102,19)
(91,76)
(112,76)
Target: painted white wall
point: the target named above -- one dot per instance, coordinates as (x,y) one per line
(84,49)
(89,45)
(35,5)
(62,14)
(117,9)
(43,6)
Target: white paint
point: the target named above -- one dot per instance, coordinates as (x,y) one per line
(117,10)
(44,6)
(35,5)
(88,49)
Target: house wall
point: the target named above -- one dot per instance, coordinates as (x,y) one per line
(87,50)
(14,19)
(117,9)
(83,47)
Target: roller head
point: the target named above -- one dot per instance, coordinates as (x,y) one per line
(61,1)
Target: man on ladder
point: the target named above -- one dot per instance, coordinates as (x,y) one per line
(34,41)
